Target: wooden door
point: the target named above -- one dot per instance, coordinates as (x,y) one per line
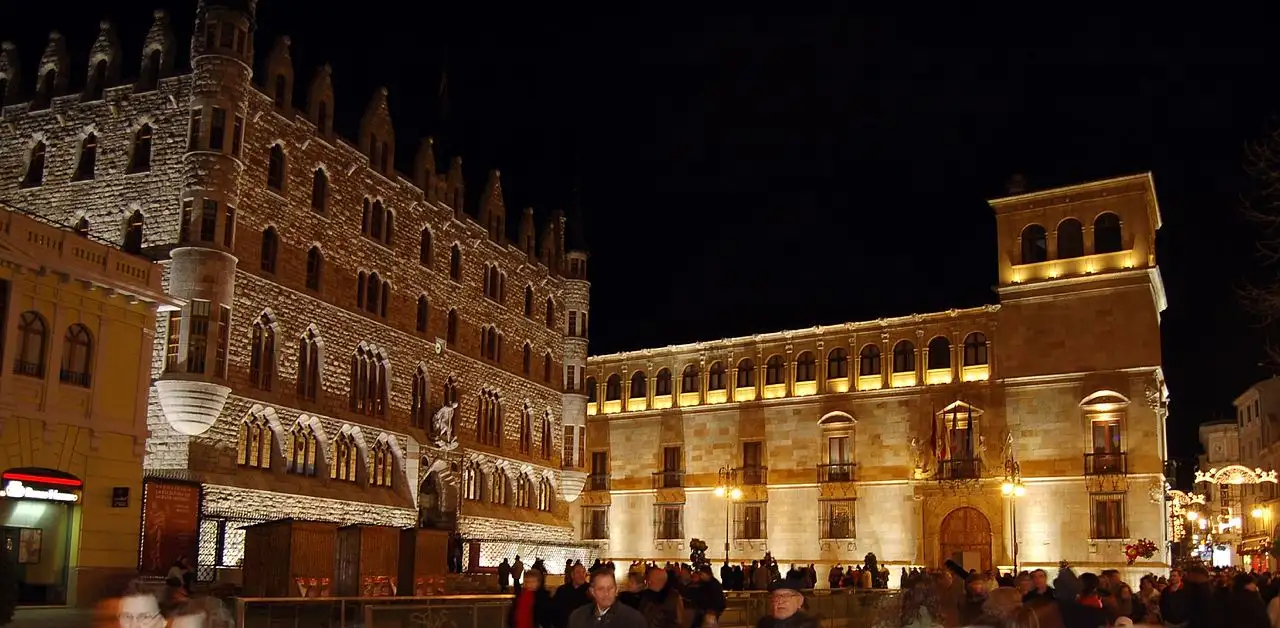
(965,537)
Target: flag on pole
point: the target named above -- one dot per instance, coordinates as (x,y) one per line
(933,437)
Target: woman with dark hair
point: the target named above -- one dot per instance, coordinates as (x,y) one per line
(532,605)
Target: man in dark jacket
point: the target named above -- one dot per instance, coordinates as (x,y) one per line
(571,595)
(605,612)
(1040,589)
(707,596)
(504,575)
(661,603)
(785,604)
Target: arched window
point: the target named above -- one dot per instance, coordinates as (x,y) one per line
(715,377)
(315,264)
(774,372)
(309,365)
(455,263)
(939,353)
(638,385)
(528,301)
(140,153)
(837,363)
(376,219)
(319,190)
(372,293)
(526,430)
(546,367)
(546,495)
(133,233)
(689,379)
(1070,239)
(424,314)
(35,166)
(418,400)
(451,333)
(524,492)
(545,437)
(662,383)
(384,463)
(304,448)
(270,246)
(904,357)
(806,367)
(472,481)
(975,349)
(275,168)
(489,419)
(592,390)
(77,356)
(346,457)
(746,373)
(1106,233)
(82,227)
(551,313)
(369,381)
(501,487)
(366,216)
(526,360)
(32,337)
(1035,246)
(88,158)
(254,449)
(869,360)
(424,248)
(613,388)
(262,354)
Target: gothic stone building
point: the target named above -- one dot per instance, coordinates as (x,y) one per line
(901,436)
(332,303)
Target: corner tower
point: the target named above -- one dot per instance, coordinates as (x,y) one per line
(193,390)
(577,305)
(1079,289)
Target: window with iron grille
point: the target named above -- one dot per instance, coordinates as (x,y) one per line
(1107,516)
(668,522)
(595,523)
(837,519)
(749,521)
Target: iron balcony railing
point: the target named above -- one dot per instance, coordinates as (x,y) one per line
(1106,464)
(668,479)
(75,378)
(754,475)
(30,369)
(960,469)
(838,472)
(839,527)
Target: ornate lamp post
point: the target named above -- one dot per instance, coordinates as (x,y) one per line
(728,489)
(1012,488)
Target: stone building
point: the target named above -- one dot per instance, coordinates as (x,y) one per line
(901,436)
(79,325)
(334,305)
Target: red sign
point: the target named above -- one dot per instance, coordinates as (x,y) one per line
(170,525)
(31,478)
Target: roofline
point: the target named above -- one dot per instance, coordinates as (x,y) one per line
(1145,177)
(797,334)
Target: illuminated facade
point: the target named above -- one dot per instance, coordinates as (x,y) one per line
(892,436)
(333,304)
(79,320)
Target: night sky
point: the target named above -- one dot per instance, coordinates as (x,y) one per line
(750,174)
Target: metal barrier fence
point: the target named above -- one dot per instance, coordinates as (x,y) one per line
(841,607)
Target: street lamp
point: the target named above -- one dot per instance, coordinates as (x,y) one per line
(1012,488)
(727,489)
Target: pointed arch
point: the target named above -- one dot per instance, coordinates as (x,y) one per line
(455,262)
(262,354)
(526,360)
(310,361)
(304,451)
(140,151)
(270,250)
(34,176)
(346,460)
(133,233)
(546,435)
(384,462)
(319,191)
(419,399)
(276,168)
(315,267)
(528,301)
(526,428)
(87,162)
(424,247)
(424,314)
(259,438)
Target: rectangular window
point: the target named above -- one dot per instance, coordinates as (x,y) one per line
(208,220)
(753,472)
(581,458)
(184,229)
(567,455)
(198,335)
(229,226)
(193,135)
(573,323)
(837,519)
(1108,516)
(595,523)
(210,34)
(1106,436)
(218,129)
(224,338)
(227,36)
(749,521)
(671,459)
(237,136)
(599,476)
(668,521)
(173,338)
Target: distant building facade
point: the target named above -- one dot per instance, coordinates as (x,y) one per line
(79,325)
(333,306)
(895,436)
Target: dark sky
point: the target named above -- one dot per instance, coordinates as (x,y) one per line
(756,173)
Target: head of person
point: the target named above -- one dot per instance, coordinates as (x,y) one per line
(139,608)
(656,578)
(1089,583)
(603,589)
(976,584)
(635,582)
(1196,574)
(785,598)
(578,575)
(532,580)
(1002,603)
(1023,583)
(190,614)
(1039,580)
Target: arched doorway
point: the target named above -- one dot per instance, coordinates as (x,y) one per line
(431,510)
(965,537)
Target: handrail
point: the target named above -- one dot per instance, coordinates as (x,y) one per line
(406,598)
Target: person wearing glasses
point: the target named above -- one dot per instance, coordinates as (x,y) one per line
(786,604)
(139,609)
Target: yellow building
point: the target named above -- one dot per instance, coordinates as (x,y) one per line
(79,320)
(1028,431)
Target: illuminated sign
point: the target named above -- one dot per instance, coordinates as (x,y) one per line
(16,490)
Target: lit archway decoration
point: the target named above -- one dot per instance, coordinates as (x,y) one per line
(1236,474)
(1178,503)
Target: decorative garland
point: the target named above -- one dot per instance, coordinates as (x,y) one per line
(1144,548)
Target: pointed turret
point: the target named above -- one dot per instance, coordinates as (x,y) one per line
(424,168)
(157,53)
(10,73)
(455,193)
(278,81)
(493,209)
(53,71)
(104,62)
(320,101)
(528,236)
(377,136)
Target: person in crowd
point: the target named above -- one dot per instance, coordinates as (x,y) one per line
(139,608)
(707,596)
(605,612)
(517,570)
(660,602)
(999,608)
(571,595)
(532,607)
(504,576)
(835,576)
(921,606)
(634,585)
(1244,607)
(786,601)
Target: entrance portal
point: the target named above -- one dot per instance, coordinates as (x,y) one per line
(965,537)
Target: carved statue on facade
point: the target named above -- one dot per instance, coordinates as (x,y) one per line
(919,458)
(442,424)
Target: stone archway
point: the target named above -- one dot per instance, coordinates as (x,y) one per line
(965,537)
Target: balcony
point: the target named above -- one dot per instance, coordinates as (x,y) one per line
(598,482)
(960,469)
(840,472)
(752,476)
(838,527)
(1106,464)
(75,378)
(30,369)
(668,479)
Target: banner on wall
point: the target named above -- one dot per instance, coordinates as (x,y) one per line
(170,525)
